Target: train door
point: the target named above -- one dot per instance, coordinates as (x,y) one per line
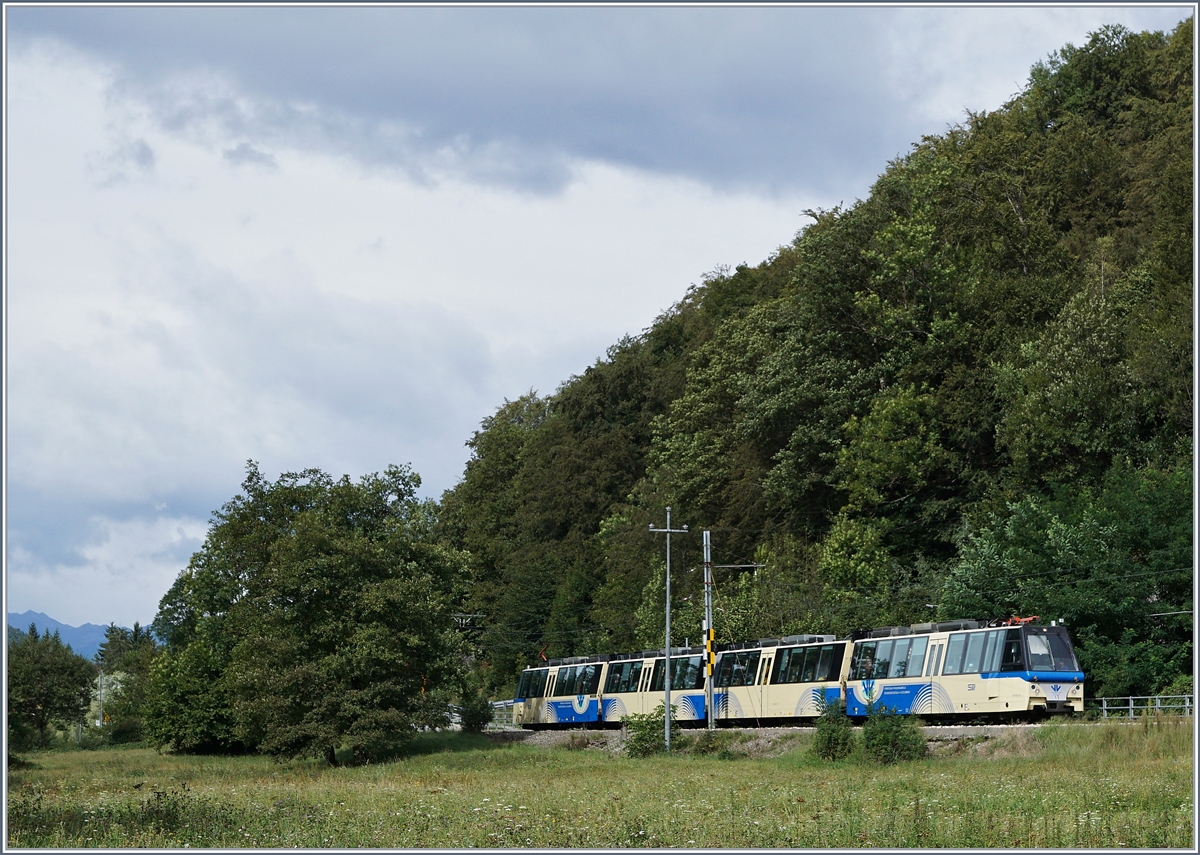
(644,698)
(933,669)
(761,692)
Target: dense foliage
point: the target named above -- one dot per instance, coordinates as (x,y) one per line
(317,616)
(48,685)
(125,659)
(972,389)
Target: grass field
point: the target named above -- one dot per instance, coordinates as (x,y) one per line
(1068,785)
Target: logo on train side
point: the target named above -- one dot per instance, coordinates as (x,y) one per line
(580,704)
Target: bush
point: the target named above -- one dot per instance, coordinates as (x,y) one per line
(835,734)
(125,731)
(644,732)
(890,738)
(475,713)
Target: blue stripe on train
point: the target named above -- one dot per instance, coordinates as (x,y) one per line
(578,710)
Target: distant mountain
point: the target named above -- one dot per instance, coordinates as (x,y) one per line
(84,640)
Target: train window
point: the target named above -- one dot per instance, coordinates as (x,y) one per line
(623,677)
(737,668)
(687,672)
(533,684)
(916,657)
(787,665)
(883,659)
(864,661)
(1010,652)
(1050,651)
(823,656)
(830,666)
(1061,652)
(566,681)
(1039,653)
(954,653)
(807,664)
(974,656)
(808,671)
(992,651)
(900,658)
(577,680)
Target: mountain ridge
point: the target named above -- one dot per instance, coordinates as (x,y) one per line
(84,640)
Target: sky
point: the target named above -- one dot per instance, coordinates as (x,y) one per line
(341,237)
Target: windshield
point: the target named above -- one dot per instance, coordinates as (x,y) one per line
(1049,649)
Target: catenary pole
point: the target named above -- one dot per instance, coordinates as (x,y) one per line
(667,664)
(709,712)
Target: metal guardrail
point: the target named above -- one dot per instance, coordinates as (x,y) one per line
(1135,705)
(502,716)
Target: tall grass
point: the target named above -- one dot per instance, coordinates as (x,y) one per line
(1113,785)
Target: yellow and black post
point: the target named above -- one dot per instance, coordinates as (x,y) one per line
(709,712)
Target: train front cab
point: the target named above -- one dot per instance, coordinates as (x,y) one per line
(558,694)
(1003,672)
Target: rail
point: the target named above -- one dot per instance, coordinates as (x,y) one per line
(1135,705)
(502,716)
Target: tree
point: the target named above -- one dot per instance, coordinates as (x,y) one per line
(126,656)
(316,616)
(47,683)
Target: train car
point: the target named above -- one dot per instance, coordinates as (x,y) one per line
(563,692)
(599,690)
(634,684)
(779,681)
(963,669)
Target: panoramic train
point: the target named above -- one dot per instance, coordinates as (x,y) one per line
(999,669)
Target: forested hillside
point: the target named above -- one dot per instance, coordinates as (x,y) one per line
(969,394)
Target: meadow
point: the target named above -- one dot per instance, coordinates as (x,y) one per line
(1061,785)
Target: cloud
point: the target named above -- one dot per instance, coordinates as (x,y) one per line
(124,571)
(133,159)
(784,100)
(246,155)
(163,332)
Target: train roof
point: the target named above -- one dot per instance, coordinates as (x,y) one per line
(856,635)
(940,626)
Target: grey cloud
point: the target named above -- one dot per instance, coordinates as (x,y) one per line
(118,165)
(246,155)
(780,99)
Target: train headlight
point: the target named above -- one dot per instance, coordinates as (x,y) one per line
(1076,689)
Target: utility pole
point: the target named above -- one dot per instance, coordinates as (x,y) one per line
(710,713)
(667,670)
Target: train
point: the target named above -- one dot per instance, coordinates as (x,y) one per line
(999,670)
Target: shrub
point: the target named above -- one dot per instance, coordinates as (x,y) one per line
(890,738)
(835,734)
(644,732)
(475,713)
